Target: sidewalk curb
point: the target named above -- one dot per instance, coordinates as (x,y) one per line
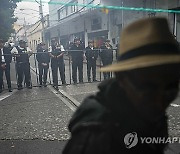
(63,93)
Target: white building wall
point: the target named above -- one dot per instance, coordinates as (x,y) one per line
(20,35)
(53,11)
(113,21)
(89,18)
(34,33)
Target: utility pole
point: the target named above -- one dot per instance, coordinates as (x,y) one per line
(25,33)
(122,14)
(41,18)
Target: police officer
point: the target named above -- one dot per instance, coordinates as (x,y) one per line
(22,54)
(56,53)
(43,63)
(91,56)
(77,55)
(5,60)
(106,54)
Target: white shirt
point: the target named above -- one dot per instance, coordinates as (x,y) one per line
(50,49)
(12,44)
(2,53)
(15,51)
(61,48)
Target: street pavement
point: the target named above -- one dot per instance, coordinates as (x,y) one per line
(29,118)
(34,121)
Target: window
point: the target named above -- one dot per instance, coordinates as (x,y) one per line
(66,10)
(59,17)
(61,13)
(96,24)
(72,9)
(76,6)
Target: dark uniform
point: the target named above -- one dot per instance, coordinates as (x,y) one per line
(22,66)
(91,56)
(106,54)
(117,49)
(43,65)
(57,62)
(77,54)
(5,67)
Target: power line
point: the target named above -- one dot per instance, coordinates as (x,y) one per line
(62,7)
(79,11)
(35,27)
(37,2)
(108,7)
(16,13)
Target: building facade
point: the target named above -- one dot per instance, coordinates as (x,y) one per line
(21,33)
(35,33)
(87,19)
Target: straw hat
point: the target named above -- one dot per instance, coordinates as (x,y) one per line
(145,43)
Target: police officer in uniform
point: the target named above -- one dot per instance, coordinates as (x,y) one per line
(91,56)
(56,53)
(106,54)
(22,54)
(5,60)
(77,55)
(43,63)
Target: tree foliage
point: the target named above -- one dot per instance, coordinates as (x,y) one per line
(7,17)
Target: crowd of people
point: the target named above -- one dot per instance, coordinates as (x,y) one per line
(53,56)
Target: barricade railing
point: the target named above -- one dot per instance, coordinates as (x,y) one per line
(67,70)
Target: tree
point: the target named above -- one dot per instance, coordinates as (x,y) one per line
(7,17)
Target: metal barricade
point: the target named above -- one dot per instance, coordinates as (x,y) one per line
(68,70)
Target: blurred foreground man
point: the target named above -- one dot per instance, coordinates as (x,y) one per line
(5,60)
(22,54)
(132,105)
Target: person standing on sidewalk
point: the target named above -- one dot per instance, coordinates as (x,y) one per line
(77,55)
(106,54)
(91,56)
(56,53)
(22,54)
(43,63)
(132,105)
(5,60)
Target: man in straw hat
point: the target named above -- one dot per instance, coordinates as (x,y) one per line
(132,105)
